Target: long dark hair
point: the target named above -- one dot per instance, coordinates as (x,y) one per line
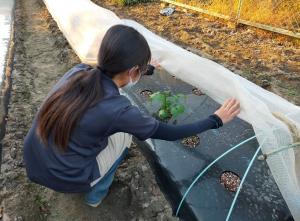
(122,48)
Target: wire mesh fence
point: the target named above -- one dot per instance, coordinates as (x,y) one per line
(282,16)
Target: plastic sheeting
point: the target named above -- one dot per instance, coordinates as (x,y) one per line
(6,8)
(176,165)
(84,24)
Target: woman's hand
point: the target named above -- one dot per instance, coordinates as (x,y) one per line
(229,110)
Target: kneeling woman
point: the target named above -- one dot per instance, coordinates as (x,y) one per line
(84,127)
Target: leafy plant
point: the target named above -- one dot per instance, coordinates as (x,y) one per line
(170,105)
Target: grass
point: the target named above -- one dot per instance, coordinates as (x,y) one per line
(282,14)
(292,92)
(39,200)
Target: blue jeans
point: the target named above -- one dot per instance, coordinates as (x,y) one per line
(99,191)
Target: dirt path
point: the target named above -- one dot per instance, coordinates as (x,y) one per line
(42,56)
(269,60)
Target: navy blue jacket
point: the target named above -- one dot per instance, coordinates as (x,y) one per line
(75,169)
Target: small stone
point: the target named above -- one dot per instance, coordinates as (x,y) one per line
(145,205)
(13,153)
(144,168)
(265,83)
(18,218)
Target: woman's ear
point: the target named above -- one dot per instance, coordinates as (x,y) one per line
(132,71)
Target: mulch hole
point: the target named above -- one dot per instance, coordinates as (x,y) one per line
(146,93)
(197,92)
(191,141)
(230,181)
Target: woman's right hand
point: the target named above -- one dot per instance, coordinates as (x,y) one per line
(229,110)
(155,63)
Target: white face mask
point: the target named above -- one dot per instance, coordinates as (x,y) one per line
(131,83)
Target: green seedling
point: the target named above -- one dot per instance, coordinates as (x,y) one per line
(171,106)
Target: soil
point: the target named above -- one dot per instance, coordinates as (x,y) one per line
(230,181)
(42,56)
(268,59)
(192,141)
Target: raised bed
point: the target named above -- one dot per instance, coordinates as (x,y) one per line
(176,165)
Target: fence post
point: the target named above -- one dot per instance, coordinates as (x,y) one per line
(238,12)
